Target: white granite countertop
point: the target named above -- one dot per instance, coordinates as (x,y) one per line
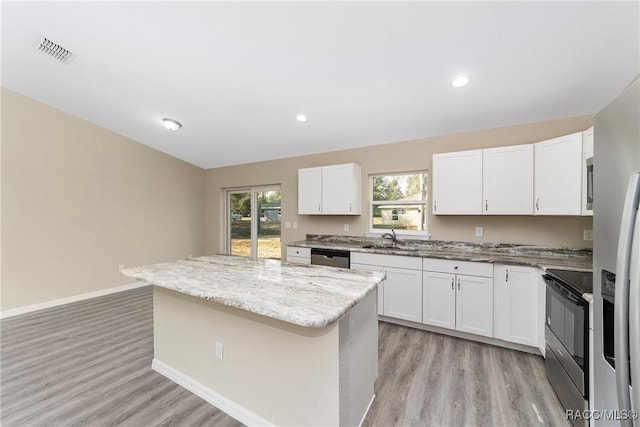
(309,296)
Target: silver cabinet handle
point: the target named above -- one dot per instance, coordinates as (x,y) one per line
(506,279)
(350,210)
(458,284)
(435,205)
(452,287)
(318,207)
(538,204)
(486,205)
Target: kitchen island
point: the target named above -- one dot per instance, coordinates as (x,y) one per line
(267,342)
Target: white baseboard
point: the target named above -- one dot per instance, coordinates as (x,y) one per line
(230,407)
(54,303)
(367,411)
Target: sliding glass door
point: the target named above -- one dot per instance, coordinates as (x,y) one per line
(253,218)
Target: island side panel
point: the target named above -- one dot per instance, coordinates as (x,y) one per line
(358,360)
(283,373)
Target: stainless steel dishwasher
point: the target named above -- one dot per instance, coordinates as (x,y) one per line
(331,257)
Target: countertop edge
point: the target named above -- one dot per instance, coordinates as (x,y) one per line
(315,322)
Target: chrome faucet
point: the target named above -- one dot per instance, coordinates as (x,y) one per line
(391,236)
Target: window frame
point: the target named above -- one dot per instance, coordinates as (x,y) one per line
(227,218)
(424,203)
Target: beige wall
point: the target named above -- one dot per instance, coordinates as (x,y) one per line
(285,374)
(397,157)
(78,201)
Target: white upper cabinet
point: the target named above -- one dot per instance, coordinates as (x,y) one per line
(546,178)
(330,190)
(558,176)
(507,183)
(310,191)
(587,153)
(457,183)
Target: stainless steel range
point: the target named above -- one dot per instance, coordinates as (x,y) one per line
(567,337)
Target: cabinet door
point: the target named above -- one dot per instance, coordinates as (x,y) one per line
(310,191)
(341,189)
(558,176)
(438,299)
(508,180)
(474,305)
(587,153)
(457,183)
(519,304)
(403,294)
(366,267)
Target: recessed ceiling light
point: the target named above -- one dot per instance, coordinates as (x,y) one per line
(301,118)
(172,125)
(460,81)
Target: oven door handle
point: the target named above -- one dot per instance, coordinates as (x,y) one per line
(563,291)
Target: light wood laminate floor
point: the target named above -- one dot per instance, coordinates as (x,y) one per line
(89,364)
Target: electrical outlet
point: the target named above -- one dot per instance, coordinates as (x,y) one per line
(346,227)
(287,224)
(120,268)
(219,350)
(295,225)
(479,231)
(587,235)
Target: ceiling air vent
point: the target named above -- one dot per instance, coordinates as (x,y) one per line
(54,50)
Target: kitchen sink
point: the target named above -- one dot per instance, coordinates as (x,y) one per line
(388,247)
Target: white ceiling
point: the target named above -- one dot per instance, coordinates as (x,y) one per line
(236,74)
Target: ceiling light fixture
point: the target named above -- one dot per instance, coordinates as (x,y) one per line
(172,125)
(460,81)
(301,118)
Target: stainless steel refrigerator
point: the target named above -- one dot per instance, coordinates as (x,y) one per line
(616,251)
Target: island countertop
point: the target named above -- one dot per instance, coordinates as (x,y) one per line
(308,296)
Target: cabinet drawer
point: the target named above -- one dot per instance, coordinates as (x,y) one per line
(398,261)
(293,251)
(458,267)
(298,260)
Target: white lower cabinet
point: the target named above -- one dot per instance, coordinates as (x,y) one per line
(400,295)
(474,305)
(439,299)
(298,255)
(403,294)
(517,304)
(463,302)
(491,300)
(366,267)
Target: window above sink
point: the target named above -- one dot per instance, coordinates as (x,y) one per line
(398,201)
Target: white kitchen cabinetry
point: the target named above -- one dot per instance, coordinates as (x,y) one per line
(330,190)
(558,176)
(402,287)
(460,287)
(298,255)
(516,304)
(375,268)
(587,153)
(439,299)
(310,191)
(457,183)
(507,180)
